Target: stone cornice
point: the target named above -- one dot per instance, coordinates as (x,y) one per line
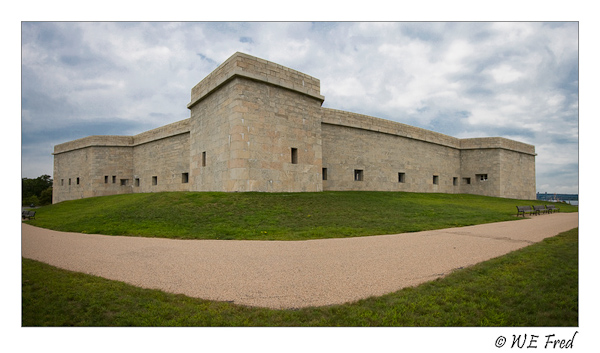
(256,69)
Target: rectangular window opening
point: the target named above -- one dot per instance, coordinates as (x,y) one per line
(467,181)
(204,159)
(358,175)
(482,177)
(77,181)
(436,179)
(69,181)
(401,177)
(294,155)
(137,181)
(324,173)
(114,179)
(106,179)
(124,182)
(455,181)
(154,180)
(62,182)
(184,178)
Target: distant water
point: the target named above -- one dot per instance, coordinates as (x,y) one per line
(572,199)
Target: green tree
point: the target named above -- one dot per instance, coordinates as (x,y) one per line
(46,196)
(31,200)
(35,187)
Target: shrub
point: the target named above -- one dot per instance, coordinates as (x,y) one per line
(46,197)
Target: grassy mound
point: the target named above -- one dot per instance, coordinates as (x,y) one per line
(274,216)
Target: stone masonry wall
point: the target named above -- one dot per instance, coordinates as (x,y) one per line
(258,126)
(508,164)
(98,168)
(480,172)
(388,156)
(210,140)
(342,118)
(105,164)
(67,168)
(243,65)
(247,116)
(517,171)
(386,162)
(93,141)
(270,123)
(111,170)
(496,142)
(162,165)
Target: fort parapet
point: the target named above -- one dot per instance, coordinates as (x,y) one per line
(258,126)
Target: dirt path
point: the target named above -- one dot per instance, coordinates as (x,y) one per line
(287,274)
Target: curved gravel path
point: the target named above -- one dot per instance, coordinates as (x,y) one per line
(287,274)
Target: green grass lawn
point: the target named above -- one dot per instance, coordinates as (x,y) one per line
(533,286)
(274,216)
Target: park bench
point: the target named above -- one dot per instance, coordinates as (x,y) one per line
(552,208)
(539,209)
(28,214)
(524,209)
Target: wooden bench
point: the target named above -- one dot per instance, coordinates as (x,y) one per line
(28,214)
(552,208)
(524,209)
(540,209)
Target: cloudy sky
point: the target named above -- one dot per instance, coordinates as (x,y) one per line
(518,80)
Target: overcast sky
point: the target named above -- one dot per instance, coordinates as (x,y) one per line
(518,80)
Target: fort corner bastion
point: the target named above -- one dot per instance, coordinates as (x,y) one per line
(258,126)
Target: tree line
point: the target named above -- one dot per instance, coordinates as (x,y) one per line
(37,192)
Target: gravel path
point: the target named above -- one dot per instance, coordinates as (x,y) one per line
(287,274)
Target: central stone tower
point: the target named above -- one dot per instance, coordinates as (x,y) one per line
(256,126)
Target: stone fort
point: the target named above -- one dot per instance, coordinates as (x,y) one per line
(255,125)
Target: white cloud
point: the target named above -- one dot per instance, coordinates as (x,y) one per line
(505,74)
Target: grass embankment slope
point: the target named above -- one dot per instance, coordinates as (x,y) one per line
(274,216)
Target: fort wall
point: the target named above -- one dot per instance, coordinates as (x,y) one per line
(517,172)
(258,126)
(365,122)
(71,175)
(109,165)
(248,117)
(480,171)
(275,140)
(210,151)
(364,159)
(498,166)
(95,140)
(162,164)
(393,156)
(253,68)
